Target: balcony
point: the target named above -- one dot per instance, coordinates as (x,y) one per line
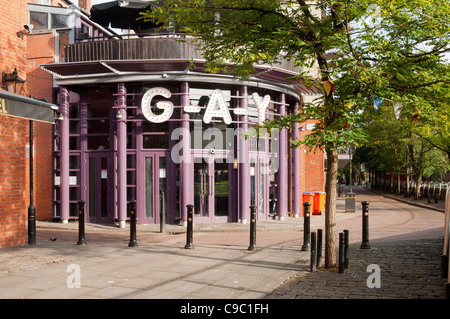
(160,47)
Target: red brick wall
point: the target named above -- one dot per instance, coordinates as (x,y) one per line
(41,50)
(13,180)
(24,53)
(312,176)
(42,170)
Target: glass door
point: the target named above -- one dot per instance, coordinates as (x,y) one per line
(100,190)
(202,191)
(221,188)
(154,188)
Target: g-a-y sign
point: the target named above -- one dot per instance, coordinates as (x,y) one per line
(216,108)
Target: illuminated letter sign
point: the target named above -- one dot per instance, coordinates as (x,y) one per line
(262,106)
(167,106)
(217,108)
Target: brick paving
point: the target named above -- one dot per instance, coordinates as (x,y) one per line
(406,243)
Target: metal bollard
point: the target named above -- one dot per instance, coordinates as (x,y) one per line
(346,240)
(319,247)
(162,213)
(252,246)
(190,229)
(313,260)
(81,239)
(341,253)
(306,228)
(133,242)
(365,226)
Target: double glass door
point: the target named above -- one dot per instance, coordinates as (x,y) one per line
(211,188)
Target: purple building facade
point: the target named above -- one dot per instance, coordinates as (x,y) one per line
(142,119)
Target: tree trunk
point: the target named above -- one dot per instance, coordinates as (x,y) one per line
(330,208)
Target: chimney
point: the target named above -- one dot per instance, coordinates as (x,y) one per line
(86,5)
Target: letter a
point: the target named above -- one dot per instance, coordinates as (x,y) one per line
(217,108)
(374,280)
(74,279)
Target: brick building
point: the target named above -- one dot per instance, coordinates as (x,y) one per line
(33,32)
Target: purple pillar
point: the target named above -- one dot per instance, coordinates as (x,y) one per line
(296,168)
(186,164)
(64,155)
(122,154)
(244,163)
(282,189)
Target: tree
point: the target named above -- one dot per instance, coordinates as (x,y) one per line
(333,38)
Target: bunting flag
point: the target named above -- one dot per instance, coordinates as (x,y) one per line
(328,85)
(397,109)
(376,102)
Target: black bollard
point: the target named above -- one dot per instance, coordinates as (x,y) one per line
(319,248)
(313,261)
(162,213)
(306,228)
(346,240)
(252,246)
(81,240)
(341,253)
(190,229)
(365,226)
(133,241)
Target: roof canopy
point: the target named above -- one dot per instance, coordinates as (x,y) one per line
(98,69)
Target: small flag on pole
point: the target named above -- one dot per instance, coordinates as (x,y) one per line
(397,109)
(328,85)
(376,102)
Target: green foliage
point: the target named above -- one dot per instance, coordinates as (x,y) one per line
(392,50)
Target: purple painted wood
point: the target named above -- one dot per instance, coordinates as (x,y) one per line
(296,168)
(244,163)
(282,204)
(64,155)
(122,154)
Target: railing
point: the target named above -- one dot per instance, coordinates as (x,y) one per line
(155,46)
(431,190)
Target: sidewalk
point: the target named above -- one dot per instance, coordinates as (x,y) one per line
(405,239)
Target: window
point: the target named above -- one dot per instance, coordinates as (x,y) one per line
(39,20)
(44,17)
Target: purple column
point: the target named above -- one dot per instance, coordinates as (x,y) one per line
(64,155)
(282,189)
(296,168)
(244,162)
(122,154)
(186,164)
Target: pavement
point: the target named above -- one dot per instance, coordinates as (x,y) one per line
(406,239)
